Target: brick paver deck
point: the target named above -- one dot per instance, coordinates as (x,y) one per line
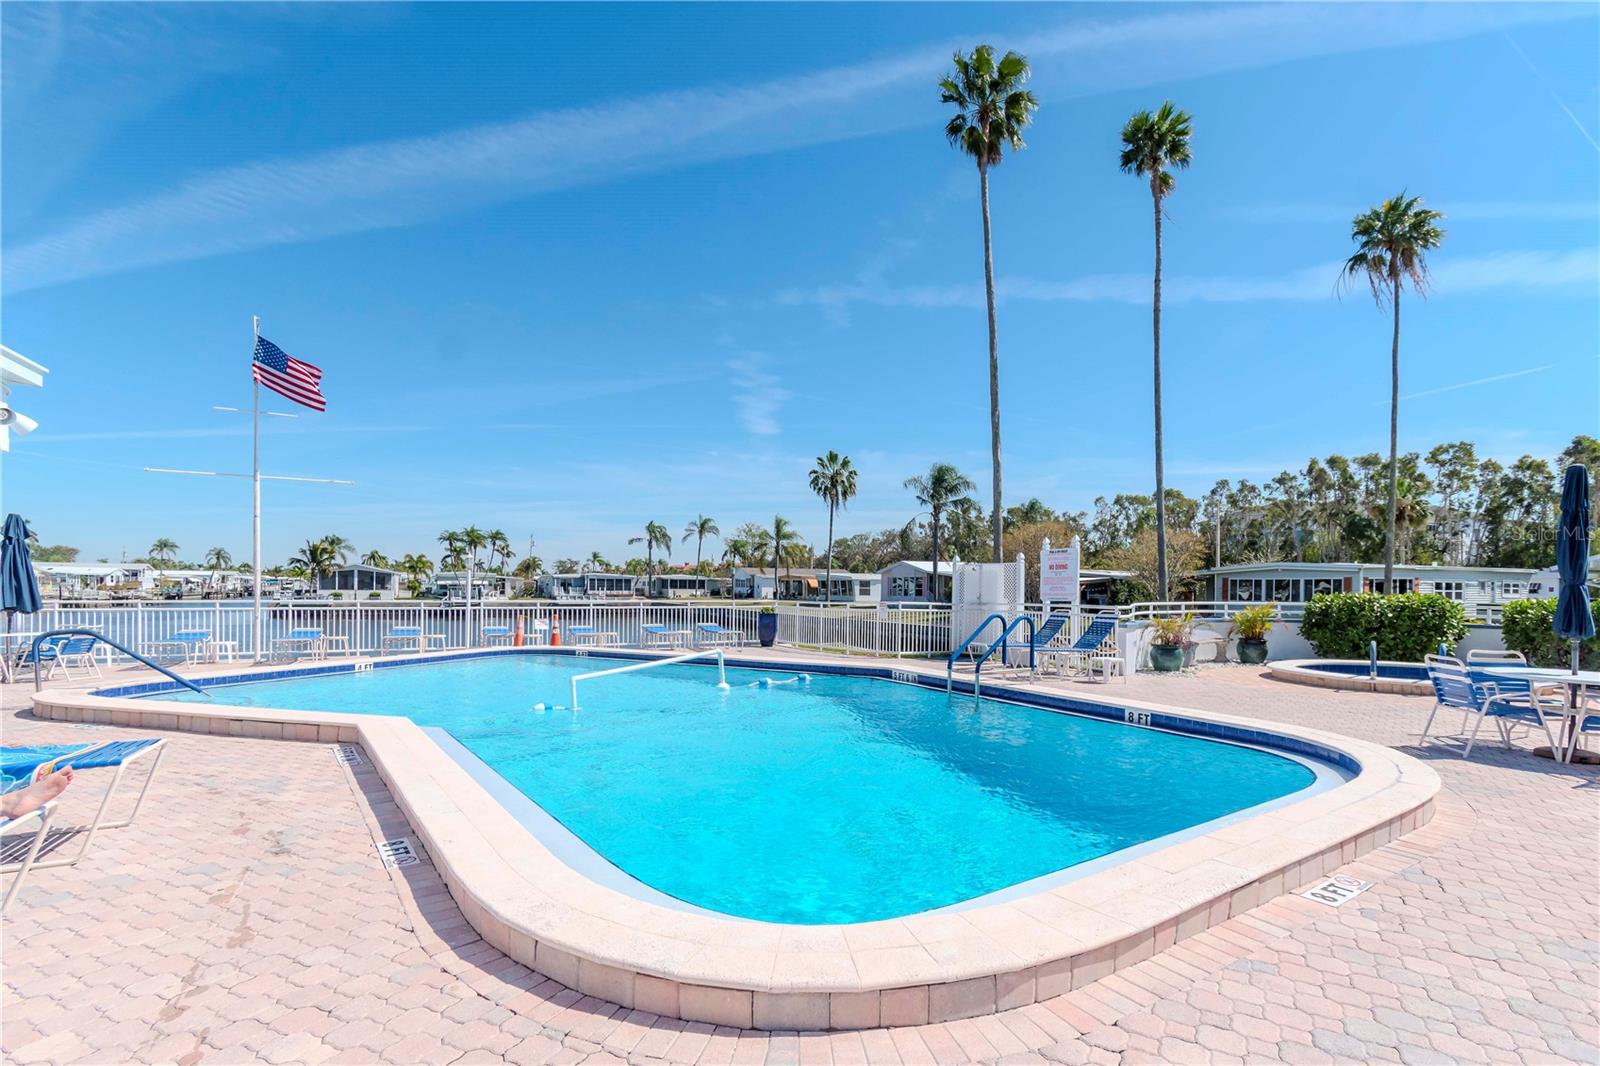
(247,918)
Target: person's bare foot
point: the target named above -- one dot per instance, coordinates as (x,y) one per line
(16,804)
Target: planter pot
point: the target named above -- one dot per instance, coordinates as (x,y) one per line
(1252,651)
(1166,658)
(767,629)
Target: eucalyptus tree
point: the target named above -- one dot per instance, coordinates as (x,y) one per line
(941,487)
(655,536)
(700,527)
(1153,145)
(992,109)
(834,480)
(1392,243)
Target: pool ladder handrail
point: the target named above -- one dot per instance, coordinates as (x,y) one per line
(722,669)
(950,663)
(1033,633)
(157,667)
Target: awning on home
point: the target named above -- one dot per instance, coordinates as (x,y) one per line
(811,582)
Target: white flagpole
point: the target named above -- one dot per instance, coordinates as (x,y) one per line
(255,479)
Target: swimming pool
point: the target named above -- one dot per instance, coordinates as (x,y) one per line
(844,799)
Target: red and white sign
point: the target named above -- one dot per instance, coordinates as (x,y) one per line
(1058,574)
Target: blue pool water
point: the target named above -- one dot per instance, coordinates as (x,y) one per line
(1392,671)
(849,799)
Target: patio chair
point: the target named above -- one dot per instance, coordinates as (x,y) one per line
(308,641)
(74,653)
(588,635)
(29,763)
(1504,701)
(400,637)
(496,634)
(711,634)
(1086,647)
(1488,657)
(660,636)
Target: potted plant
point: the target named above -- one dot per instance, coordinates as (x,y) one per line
(1170,642)
(767,626)
(1252,624)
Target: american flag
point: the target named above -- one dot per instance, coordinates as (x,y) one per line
(288,376)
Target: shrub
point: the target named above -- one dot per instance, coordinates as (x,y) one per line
(1254,623)
(1339,625)
(1173,632)
(1527,628)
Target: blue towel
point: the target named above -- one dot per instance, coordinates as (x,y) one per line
(17,764)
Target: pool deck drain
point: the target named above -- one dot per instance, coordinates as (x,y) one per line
(1459,953)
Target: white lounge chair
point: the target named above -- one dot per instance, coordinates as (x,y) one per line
(401,637)
(300,641)
(493,635)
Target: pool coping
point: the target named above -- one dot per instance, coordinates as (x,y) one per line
(921,968)
(1301,672)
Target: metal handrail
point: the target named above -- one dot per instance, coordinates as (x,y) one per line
(1033,634)
(33,653)
(950,663)
(722,669)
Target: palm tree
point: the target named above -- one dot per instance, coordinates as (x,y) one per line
(338,547)
(655,536)
(942,486)
(993,109)
(497,544)
(833,479)
(375,558)
(782,536)
(700,528)
(1392,240)
(530,567)
(416,568)
(1150,145)
(473,540)
(164,550)
(736,551)
(597,562)
(218,559)
(453,547)
(318,558)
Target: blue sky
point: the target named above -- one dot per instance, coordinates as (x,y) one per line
(572,269)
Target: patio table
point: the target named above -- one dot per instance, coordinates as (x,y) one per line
(1573,710)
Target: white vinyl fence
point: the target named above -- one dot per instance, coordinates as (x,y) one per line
(917,630)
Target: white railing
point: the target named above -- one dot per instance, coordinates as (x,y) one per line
(890,630)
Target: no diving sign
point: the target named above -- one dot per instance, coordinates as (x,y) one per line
(1337,890)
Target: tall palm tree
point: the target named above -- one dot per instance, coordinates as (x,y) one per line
(942,486)
(474,540)
(218,559)
(597,562)
(736,551)
(375,558)
(495,540)
(164,550)
(416,568)
(655,536)
(782,536)
(833,479)
(1150,145)
(1392,242)
(700,528)
(451,539)
(992,110)
(318,558)
(338,547)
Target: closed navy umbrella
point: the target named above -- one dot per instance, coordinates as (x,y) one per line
(19,587)
(1573,621)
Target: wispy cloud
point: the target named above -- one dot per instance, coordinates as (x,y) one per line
(1456,386)
(1575,270)
(398,182)
(757,393)
(1465,210)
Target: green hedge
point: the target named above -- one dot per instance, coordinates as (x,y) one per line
(1339,625)
(1527,628)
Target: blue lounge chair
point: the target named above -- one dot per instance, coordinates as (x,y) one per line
(307,641)
(20,765)
(590,636)
(1088,645)
(1505,701)
(660,636)
(400,637)
(496,634)
(191,645)
(710,633)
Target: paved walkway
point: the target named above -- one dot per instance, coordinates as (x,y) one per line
(246,918)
